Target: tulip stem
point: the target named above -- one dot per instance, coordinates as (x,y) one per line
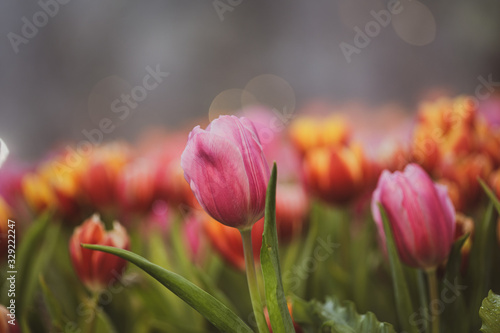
(246,236)
(93,301)
(433,298)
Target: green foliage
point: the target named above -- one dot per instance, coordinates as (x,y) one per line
(212,309)
(490,313)
(336,317)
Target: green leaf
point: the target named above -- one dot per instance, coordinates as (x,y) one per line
(490,313)
(56,314)
(212,309)
(336,317)
(270,263)
(454,315)
(480,263)
(39,262)
(490,194)
(403,302)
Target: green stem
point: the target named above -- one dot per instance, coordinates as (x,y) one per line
(93,307)
(433,295)
(246,236)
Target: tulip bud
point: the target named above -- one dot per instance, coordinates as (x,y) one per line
(97,269)
(335,175)
(227,171)
(420,213)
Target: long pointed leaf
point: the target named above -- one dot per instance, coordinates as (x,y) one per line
(207,305)
(270,263)
(490,194)
(401,291)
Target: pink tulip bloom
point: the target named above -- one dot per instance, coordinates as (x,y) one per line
(420,213)
(227,171)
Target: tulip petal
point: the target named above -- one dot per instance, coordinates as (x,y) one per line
(215,170)
(242,132)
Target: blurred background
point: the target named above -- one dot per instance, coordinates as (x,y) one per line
(67,65)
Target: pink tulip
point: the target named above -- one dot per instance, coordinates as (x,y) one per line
(420,213)
(227,171)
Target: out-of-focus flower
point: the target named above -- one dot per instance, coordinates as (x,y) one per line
(446,129)
(4,152)
(292,207)
(193,237)
(420,213)
(64,183)
(227,171)
(454,193)
(290,309)
(97,269)
(99,180)
(38,193)
(335,175)
(136,186)
(227,241)
(172,186)
(464,173)
(309,132)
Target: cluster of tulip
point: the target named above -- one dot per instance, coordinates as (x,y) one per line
(207,206)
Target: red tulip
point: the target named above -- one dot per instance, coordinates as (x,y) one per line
(227,171)
(420,213)
(97,269)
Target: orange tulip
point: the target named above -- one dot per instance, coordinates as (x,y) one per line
(309,132)
(336,175)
